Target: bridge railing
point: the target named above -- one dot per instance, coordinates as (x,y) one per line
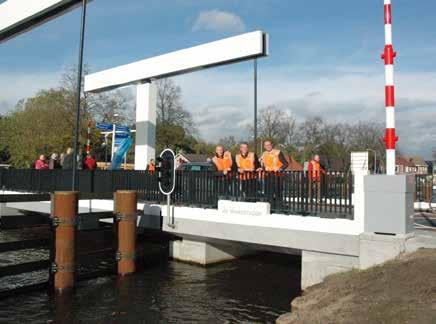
(287,192)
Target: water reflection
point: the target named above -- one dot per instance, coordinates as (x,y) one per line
(256,289)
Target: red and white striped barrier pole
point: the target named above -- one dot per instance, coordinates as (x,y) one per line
(88,138)
(388,56)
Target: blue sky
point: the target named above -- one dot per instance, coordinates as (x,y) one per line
(324,58)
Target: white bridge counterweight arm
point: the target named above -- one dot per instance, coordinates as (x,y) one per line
(229,50)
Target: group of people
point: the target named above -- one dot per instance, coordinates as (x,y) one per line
(267,169)
(272,160)
(247,162)
(65,161)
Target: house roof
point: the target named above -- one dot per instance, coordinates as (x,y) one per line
(410,161)
(405,161)
(194,157)
(293,164)
(417,160)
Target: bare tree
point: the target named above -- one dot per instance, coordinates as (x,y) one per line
(289,129)
(310,131)
(101,107)
(277,125)
(104,106)
(170,109)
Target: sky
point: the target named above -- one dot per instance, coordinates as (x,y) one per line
(324,59)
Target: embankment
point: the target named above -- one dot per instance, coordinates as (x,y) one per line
(399,291)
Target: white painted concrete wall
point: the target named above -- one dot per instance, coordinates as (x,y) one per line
(291,222)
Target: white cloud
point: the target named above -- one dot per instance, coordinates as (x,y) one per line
(218,21)
(20,85)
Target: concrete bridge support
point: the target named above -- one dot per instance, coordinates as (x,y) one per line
(374,249)
(145,146)
(315,266)
(206,253)
(384,212)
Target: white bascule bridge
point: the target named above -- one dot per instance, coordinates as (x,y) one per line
(380,229)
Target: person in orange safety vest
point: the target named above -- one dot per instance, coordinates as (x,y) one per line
(272,159)
(151,167)
(315,171)
(246,162)
(222,160)
(273,163)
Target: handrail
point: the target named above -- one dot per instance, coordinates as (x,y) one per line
(287,192)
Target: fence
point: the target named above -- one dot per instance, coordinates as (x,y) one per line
(288,192)
(423,187)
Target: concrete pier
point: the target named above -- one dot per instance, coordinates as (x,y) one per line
(206,253)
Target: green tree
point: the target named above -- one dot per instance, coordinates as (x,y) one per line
(45,123)
(42,124)
(169,136)
(174,125)
(4,136)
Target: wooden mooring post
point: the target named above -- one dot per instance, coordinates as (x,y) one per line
(64,215)
(125,202)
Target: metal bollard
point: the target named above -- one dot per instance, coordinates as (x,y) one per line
(125,211)
(64,214)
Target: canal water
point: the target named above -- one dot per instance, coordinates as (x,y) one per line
(255,289)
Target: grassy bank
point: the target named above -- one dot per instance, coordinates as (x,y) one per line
(399,291)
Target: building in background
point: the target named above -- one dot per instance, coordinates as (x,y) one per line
(416,164)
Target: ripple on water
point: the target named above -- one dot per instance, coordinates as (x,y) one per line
(251,290)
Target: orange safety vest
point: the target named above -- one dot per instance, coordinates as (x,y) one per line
(151,168)
(271,160)
(316,170)
(223,163)
(246,164)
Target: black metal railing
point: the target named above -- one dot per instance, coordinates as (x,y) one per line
(287,192)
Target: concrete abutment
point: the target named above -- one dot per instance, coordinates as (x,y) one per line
(315,266)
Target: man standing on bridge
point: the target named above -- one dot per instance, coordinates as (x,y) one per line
(315,172)
(222,160)
(273,162)
(223,163)
(272,159)
(247,164)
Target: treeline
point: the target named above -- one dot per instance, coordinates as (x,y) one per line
(44,124)
(333,141)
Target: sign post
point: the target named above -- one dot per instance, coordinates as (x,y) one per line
(167,179)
